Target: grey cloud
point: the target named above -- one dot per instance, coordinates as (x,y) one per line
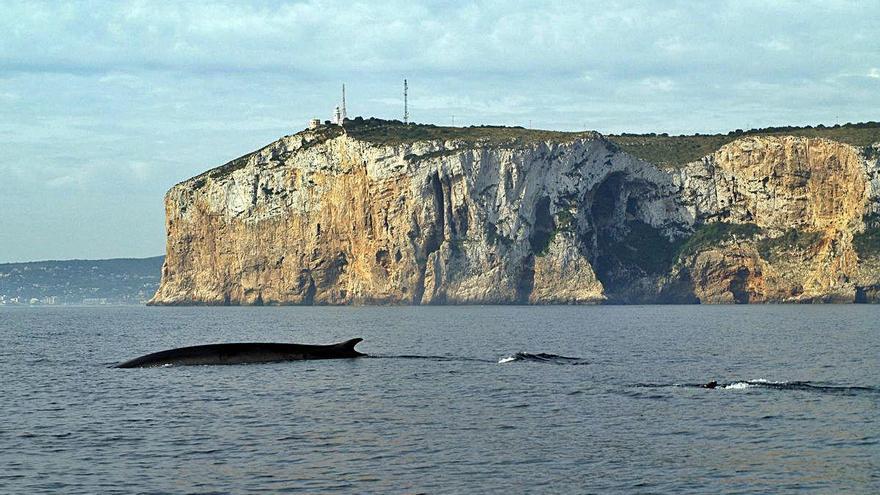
(103,103)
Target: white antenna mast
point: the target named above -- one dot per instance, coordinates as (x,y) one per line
(405,104)
(344,115)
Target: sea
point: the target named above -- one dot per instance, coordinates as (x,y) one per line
(472,400)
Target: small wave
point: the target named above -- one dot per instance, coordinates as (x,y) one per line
(762,383)
(813,387)
(737,386)
(541,357)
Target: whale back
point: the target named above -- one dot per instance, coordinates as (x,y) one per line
(244,352)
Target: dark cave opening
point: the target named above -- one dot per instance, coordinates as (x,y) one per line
(543,228)
(624,247)
(605,203)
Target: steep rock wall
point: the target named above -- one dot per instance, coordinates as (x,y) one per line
(809,196)
(337,221)
(318,219)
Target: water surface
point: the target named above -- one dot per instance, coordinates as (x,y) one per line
(597,399)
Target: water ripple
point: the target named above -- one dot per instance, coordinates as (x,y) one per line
(432,411)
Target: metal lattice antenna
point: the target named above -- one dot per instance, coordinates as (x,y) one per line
(405,103)
(344,115)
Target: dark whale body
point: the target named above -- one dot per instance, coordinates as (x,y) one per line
(241,353)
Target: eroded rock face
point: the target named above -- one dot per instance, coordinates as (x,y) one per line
(780,184)
(817,188)
(306,221)
(317,220)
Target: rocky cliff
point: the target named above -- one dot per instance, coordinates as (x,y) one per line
(378,212)
(806,200)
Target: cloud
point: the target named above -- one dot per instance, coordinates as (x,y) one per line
(139,169)
(672,44)
(321,37)
(777,45)
(74,179)
(102,102)
(115,78)
(658,84)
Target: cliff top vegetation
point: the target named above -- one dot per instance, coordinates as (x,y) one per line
(676,151)
(660,149)
(395,132)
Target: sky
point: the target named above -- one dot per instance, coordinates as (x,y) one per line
(105,105)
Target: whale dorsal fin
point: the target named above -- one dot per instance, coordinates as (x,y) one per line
(348,345)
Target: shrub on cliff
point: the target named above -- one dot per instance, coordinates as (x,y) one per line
(713,234)
(791,240)
(867,243)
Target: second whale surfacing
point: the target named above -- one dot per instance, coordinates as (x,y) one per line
(243,353)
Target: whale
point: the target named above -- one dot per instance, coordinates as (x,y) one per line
(243,353)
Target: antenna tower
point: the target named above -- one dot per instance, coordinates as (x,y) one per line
(343,114)
(405,103)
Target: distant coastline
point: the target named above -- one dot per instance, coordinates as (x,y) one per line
(108,282)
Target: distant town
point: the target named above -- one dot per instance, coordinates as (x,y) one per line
(124,281)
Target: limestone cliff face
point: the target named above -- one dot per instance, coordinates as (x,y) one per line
(318,218)
(313,221)
(808,197)
(779,183)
